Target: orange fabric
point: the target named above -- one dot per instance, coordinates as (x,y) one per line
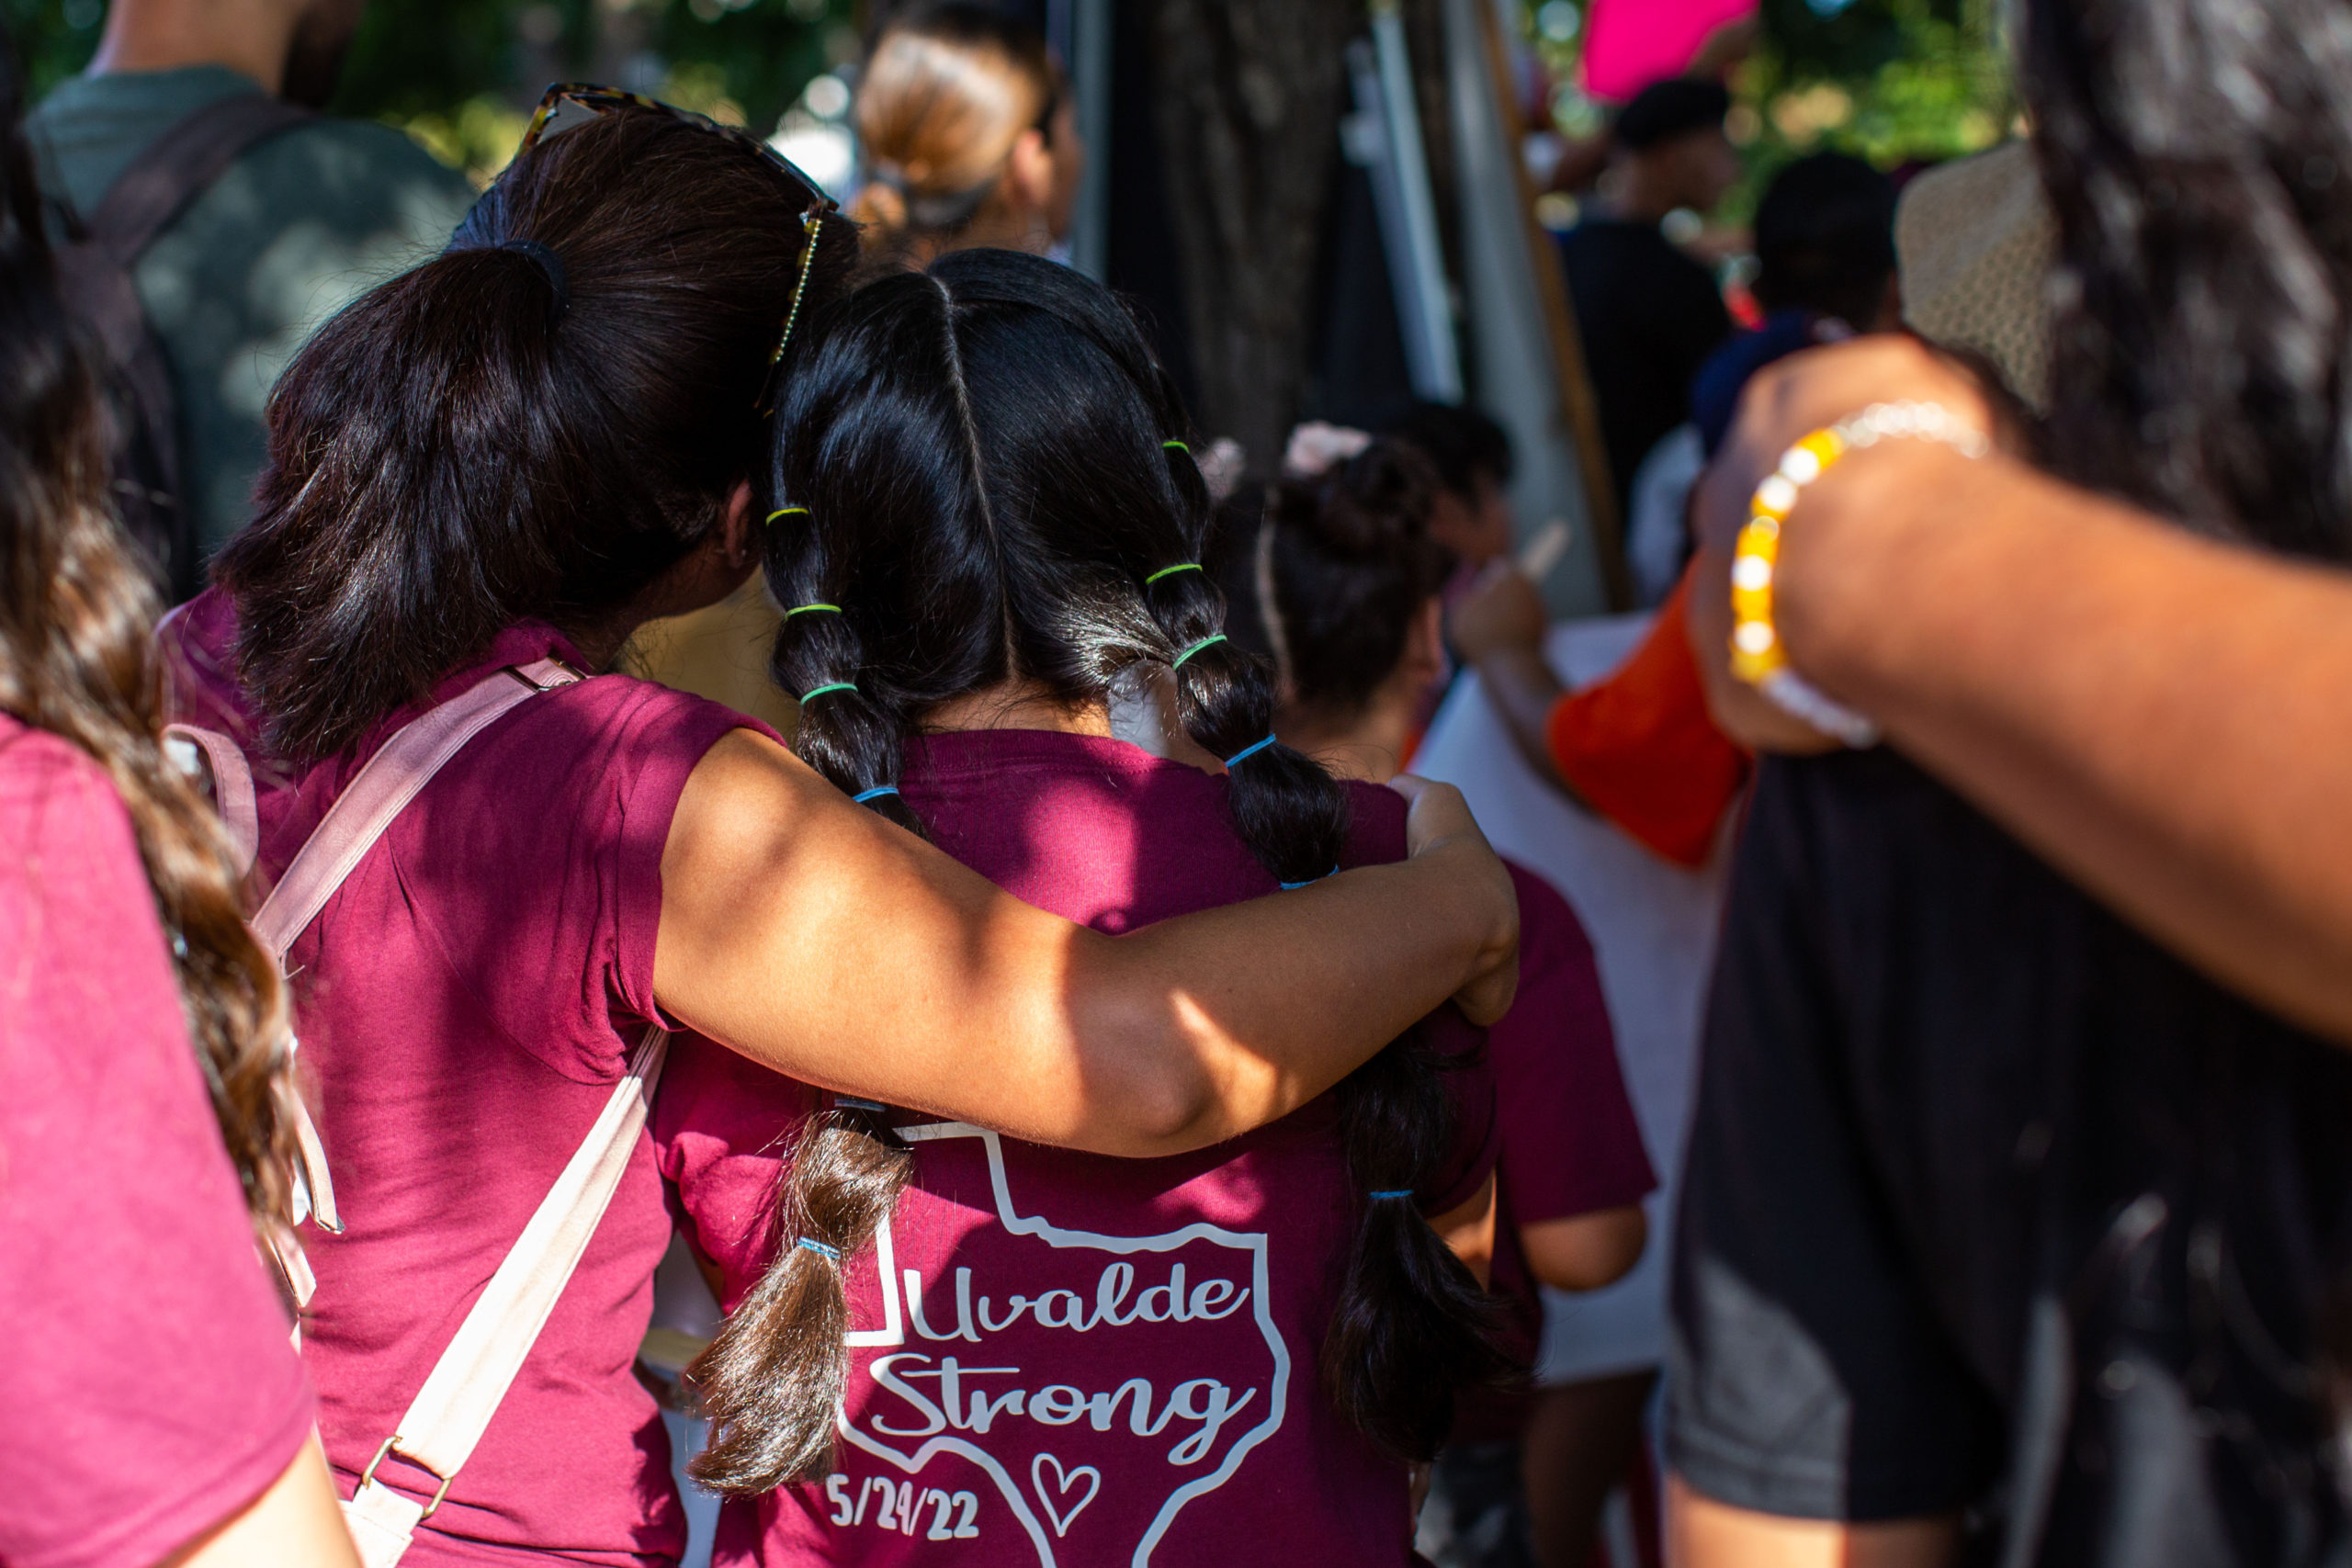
(1642,750)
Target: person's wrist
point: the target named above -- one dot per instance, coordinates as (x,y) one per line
(1857,542)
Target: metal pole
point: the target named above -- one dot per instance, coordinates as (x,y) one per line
(1439,374)
(1089,239)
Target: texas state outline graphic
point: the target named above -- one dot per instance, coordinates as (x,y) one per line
(893,1332)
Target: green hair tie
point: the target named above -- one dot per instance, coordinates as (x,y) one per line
(786,511)
(1178,662)
(1170,571)
(815,692)
(805,609)
(1175,446)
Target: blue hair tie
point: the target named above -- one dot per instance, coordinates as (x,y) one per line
(814,691)
(851,1102)
(877,793)
(810,1244)
(1247,752)
(1295,887)
(1396,1192)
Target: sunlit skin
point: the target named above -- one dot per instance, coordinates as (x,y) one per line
(915,980)
(1703,1533)
(296,1523)
(252,37)
(2155,713)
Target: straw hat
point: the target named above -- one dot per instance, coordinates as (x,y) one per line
(1974,243)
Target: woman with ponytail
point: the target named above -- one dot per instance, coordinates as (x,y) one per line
(491,471)
(150,1408)
(1340,578)
(969,135)
(985,523)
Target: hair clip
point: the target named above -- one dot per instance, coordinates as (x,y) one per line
(1170,571)
(810,1244)
(877,793)
(828,686)
(1295,887)
(1247,752)
(805,609)
(1178,662)
(786,511)
(1392,1193)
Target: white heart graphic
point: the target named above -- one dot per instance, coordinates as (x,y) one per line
(1063,1482)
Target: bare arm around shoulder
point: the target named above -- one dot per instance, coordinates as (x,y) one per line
(1703,1533)
(296,1524)
(2159,716)
(810,934)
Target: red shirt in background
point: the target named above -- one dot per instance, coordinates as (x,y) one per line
(1642,750)
(467,1001)
(148,1391)
(1060,1356)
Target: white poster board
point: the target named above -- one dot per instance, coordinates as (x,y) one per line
(1653,925)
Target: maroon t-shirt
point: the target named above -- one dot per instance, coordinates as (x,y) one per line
(148,1391)
(466,1002)
(1570,1143)
(1059,1357)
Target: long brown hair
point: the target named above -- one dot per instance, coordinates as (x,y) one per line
(76,618)
(535,425)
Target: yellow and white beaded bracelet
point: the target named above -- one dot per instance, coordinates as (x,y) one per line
(1756,656)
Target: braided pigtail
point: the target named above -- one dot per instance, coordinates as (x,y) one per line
(976,490)
(771,1382)
(1411,1324)
(854,736)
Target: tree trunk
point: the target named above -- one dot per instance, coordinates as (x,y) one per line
(1249,93)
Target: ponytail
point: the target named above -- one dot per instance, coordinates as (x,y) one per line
(1411,1324)
(535,425)
(771,1380)
(979,476)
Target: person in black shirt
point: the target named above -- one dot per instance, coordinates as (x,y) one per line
(1649,314)
(2007,1235)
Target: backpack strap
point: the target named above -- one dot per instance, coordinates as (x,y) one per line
(175,169)
(390,779)
(446,1420)
(232,787)
(94,276)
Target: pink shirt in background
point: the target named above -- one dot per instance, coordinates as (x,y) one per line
(466,1002)
(147,1392)
(1570,1143)
(1059,1357)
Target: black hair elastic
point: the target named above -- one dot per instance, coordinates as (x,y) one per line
(549,263)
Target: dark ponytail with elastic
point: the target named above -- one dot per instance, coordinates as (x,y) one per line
(979,474)
(535,425)
(771,1379)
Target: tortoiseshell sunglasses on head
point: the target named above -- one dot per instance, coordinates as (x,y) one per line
(568,105)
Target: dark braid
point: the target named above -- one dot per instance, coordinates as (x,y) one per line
(773,1377)
(982,467)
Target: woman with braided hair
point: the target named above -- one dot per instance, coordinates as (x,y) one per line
(485,475)
(950,1344)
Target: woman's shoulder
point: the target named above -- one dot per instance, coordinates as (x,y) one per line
(52,792)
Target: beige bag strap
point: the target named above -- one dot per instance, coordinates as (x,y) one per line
(392,778)
(450,1413)
(233,786)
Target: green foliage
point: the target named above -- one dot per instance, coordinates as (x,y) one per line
(459,75)
(1894,81)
